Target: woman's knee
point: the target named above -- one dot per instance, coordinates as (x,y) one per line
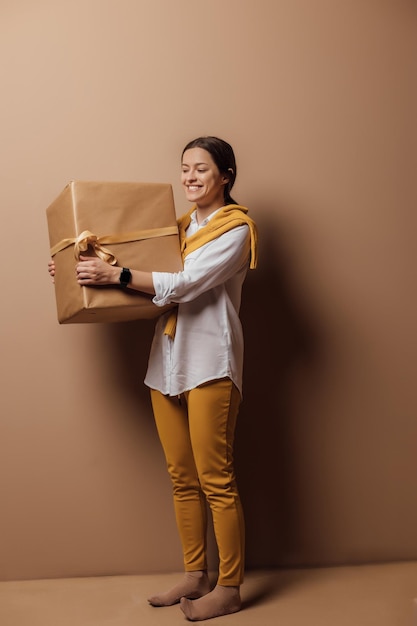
(219,485)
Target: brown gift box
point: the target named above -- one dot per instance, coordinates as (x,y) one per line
(136,222)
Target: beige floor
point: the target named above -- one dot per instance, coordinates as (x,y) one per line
(346,596)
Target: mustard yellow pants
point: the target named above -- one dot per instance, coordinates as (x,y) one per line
(197,433)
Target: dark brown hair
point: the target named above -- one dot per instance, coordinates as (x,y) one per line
(223,156)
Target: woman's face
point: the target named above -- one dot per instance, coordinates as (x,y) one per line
(203,183)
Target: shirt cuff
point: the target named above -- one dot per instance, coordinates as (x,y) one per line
(162,284)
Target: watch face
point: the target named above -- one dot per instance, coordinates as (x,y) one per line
(125,277)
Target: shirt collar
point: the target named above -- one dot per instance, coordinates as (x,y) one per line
(205,221)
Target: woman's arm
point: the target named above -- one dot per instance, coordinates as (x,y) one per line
(93,271)
(209,266)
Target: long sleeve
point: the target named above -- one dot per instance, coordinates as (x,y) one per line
(205,268)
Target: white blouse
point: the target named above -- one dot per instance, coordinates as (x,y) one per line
(208,342)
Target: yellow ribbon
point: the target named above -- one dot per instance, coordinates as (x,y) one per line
(87,238)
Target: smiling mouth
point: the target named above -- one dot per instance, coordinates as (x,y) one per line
(193,188)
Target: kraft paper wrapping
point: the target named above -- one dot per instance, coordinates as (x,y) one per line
(112,211)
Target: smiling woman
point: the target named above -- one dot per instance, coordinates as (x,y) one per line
(195,372)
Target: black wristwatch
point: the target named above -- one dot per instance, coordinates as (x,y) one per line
(125,277)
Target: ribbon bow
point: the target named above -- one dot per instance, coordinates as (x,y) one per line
(87,238)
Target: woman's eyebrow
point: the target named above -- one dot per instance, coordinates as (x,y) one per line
(196,164)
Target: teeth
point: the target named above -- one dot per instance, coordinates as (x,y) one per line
(193,188)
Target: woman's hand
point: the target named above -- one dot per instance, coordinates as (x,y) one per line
(51,269)
(94,271)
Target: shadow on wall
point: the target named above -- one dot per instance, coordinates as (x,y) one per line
(129,344)
(278,336)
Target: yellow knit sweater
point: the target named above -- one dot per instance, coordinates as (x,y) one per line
(225,219)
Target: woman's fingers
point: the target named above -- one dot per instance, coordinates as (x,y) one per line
(94,271)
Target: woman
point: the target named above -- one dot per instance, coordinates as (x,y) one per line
(195,372)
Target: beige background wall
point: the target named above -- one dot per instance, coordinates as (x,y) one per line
(316,97)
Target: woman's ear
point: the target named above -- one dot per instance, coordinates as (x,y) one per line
(226,179)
